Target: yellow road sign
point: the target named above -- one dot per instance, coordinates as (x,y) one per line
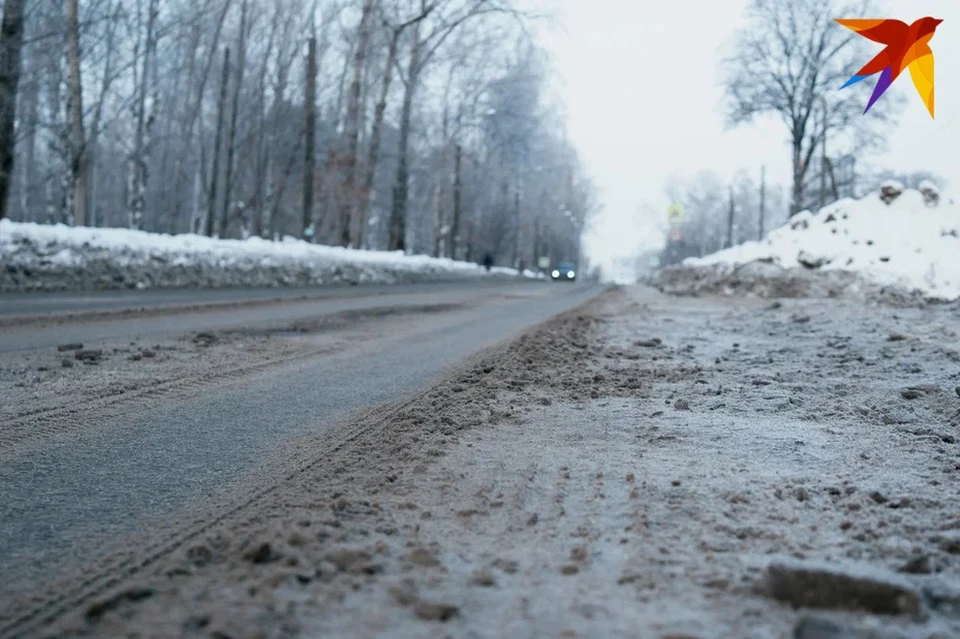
(675,213)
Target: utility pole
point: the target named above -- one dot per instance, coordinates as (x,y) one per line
(730,221)
(763,199)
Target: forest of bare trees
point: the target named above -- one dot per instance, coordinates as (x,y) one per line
(417,125)
(789,62)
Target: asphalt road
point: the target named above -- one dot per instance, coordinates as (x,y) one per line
(16,304)
(66,498)
(198,310)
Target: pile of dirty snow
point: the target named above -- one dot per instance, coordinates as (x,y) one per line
(36,257)
(900,239)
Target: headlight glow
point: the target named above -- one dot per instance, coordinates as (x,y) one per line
(556,273)
(571,274)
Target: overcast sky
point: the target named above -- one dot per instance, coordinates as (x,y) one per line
(642,92)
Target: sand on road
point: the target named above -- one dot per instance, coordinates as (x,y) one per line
(644,466)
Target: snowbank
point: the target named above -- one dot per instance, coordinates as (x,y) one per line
(901,238)
(58,257)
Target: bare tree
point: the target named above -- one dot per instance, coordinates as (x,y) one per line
(78,160)
(96,125)
(215,171)
(395,33)
(424,44)
(791,60)
(194,107)
(137,185)
(11,43)
(349,195)
(310,134)
(232,130)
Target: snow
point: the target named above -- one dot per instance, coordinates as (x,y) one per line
(927,185)
(34,256)
(907,243)
(893,185)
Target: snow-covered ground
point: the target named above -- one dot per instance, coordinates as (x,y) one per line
(59,257)
(906,238)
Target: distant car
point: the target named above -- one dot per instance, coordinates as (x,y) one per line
(564,271)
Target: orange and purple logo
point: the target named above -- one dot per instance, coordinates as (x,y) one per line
(907,46)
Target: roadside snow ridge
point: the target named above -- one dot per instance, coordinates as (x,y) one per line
(894,236)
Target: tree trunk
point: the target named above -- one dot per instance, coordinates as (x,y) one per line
(136,190)
(195,111)
(441,242)
(56,210)
(516,224)
(834,188)
(272,201)
(798,174)
(823,163)
(398,210)
(730,221)
(264,140)
(218,136)
(196,216)
(11,45)
(366,193)
(29,165)
(284,179)
(349,195)
(437,217)
(457,200)
(232,132)
(763,200)
(310,131)
(78,160)
(95,125)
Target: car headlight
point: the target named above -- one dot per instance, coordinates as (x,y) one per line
(556,273)
(571,275)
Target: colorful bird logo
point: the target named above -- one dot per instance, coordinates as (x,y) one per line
(907,46)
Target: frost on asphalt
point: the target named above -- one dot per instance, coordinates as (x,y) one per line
(646,466)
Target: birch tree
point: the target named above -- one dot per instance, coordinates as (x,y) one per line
(138,170)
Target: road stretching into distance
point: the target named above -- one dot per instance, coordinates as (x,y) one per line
(64,498)
(98,301)
(38,320)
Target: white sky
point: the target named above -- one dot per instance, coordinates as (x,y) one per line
(642,91)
